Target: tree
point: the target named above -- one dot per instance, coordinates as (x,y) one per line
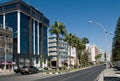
(84,56)
(79,46)
(69,39)
(116,43)
(58,29)
(97,57)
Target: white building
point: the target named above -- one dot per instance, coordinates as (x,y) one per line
(71,55)
(92,49)
(62,53)
(102,52)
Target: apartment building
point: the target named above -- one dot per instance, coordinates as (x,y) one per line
(71,56)
(62,53)
(6,47)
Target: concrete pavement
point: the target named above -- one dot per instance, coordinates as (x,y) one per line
(7,72)
(111,74)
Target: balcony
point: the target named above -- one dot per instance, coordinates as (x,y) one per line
(7,28)
(3,39)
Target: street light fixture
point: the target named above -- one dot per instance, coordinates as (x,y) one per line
(5,55)
(105,35)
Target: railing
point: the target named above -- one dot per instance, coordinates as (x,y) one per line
(9,28)
(6,28)
(5,39)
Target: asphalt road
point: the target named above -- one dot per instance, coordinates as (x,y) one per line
(89,74)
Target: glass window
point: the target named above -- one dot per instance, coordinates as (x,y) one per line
(40,29)
(46,21)
(36,35)
(45,43)
(32,38)
(24,20)
(11,21)
(1,8)
(10,6)
(1,20)
(26,9)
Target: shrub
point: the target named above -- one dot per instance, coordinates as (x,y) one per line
(45,68)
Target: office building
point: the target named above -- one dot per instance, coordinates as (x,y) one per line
(29,30)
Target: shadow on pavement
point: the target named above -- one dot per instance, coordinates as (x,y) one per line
(111,78)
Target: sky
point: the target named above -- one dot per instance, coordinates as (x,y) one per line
(75,14)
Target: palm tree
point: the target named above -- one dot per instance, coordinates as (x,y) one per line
(58,29)
(78,45)
(85,40)
(85,57)
(98,56)
(69,40)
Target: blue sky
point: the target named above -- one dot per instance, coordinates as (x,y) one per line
(76,13)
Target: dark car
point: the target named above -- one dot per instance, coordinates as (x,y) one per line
(17,70)
(29,70)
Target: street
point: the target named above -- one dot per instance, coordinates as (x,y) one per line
(89,74)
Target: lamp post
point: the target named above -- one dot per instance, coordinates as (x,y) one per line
(105,36)
(5,55)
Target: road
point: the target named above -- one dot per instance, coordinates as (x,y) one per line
(89,74)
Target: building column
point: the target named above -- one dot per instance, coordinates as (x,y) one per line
(38,37)
(18,37)
(34,37)
(3,20)
(18,29)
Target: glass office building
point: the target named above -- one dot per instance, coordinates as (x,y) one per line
(29,32)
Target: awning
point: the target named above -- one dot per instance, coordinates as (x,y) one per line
(7,63)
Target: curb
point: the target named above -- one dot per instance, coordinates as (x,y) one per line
(100,76)
(55,73)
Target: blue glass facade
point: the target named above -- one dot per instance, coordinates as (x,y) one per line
(24,33)
(11,20)
(31,27)
(45,42)
(1,19)
(36,38)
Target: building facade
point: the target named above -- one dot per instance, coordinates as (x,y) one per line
(102,58)
(93,51)
(30,25)
(6,47)
(72,56)
(53,52)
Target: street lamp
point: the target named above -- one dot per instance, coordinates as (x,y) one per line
(5,54)
(105,35)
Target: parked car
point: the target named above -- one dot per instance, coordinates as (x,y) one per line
(29,70)
(117,65)
(17,70)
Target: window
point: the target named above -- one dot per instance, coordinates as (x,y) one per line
(10,6)
(24,20)
(26,9)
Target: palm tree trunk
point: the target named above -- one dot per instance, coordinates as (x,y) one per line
(57,63)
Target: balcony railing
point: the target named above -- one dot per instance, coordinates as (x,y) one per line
(5,39)
(6,28)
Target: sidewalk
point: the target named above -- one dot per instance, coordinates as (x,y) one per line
(111,74)
(2,73)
